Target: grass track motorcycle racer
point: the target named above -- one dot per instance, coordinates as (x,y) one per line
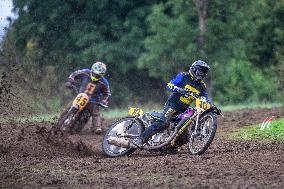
(196,127)
(76,115)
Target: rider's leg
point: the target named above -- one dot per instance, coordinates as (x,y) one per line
(96,119)
(156,127)
(159,125)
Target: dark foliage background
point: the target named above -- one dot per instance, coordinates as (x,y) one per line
(145,44)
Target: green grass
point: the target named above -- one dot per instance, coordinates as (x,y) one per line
(118,113)
(226,108)
(52,117)
(274,133)
(115,113)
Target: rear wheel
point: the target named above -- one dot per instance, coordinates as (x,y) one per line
(119,127)
(200,140)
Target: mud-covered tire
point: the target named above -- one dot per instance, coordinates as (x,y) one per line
(80,123)
(115,151)
(62,118)
(60,123)
(77,128)
(211,135)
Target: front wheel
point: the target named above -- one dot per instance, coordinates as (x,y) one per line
(66,120)
(202,137)
(124,125)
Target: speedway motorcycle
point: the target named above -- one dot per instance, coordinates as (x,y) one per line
(73,119)
(196,127)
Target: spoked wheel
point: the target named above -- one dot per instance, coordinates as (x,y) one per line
(201,139)
(117,128)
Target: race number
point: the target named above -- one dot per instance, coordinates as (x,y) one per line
(81,100)
(90,88)
(201,105)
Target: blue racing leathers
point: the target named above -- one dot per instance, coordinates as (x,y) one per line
(185,81)
(176,103)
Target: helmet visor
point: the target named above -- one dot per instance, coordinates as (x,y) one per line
(201,72)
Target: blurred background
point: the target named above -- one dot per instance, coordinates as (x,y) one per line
(144,43)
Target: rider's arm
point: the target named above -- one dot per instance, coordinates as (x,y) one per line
(204,93)
(105,91)
(78,74)
(173,85)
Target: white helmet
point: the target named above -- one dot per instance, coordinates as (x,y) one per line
(98,71)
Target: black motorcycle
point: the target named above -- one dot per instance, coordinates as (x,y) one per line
(196,127)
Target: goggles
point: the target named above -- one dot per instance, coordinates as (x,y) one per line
(96,77)
(201,72)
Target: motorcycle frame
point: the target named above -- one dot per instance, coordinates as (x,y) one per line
(182,125)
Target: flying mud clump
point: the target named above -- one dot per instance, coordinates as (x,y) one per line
(12,104)
(21,138)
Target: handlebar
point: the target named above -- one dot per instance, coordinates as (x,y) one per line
(218,110)
(76,89)
(102,105)
(189,93)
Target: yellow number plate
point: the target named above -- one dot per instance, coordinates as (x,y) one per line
(81,100)
(201,105)
(135,111)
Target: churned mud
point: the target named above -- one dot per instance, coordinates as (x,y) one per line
(32,158)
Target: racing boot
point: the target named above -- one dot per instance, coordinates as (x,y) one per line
(98,130)
(96,123)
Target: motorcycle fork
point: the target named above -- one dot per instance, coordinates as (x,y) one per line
(76,115)
(196,127)
(73,112)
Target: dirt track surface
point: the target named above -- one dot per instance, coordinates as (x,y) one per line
(30,159)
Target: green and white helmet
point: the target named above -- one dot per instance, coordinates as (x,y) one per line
(98,71)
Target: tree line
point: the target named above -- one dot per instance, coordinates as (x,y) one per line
(145,43)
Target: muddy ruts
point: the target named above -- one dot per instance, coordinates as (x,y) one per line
(29,160)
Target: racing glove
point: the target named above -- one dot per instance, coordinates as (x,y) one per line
(69,85)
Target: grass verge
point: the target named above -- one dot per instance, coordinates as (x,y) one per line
(274,133)
(53,117)
(227,108)
(119,113)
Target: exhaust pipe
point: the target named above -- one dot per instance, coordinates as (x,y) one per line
(118,142)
